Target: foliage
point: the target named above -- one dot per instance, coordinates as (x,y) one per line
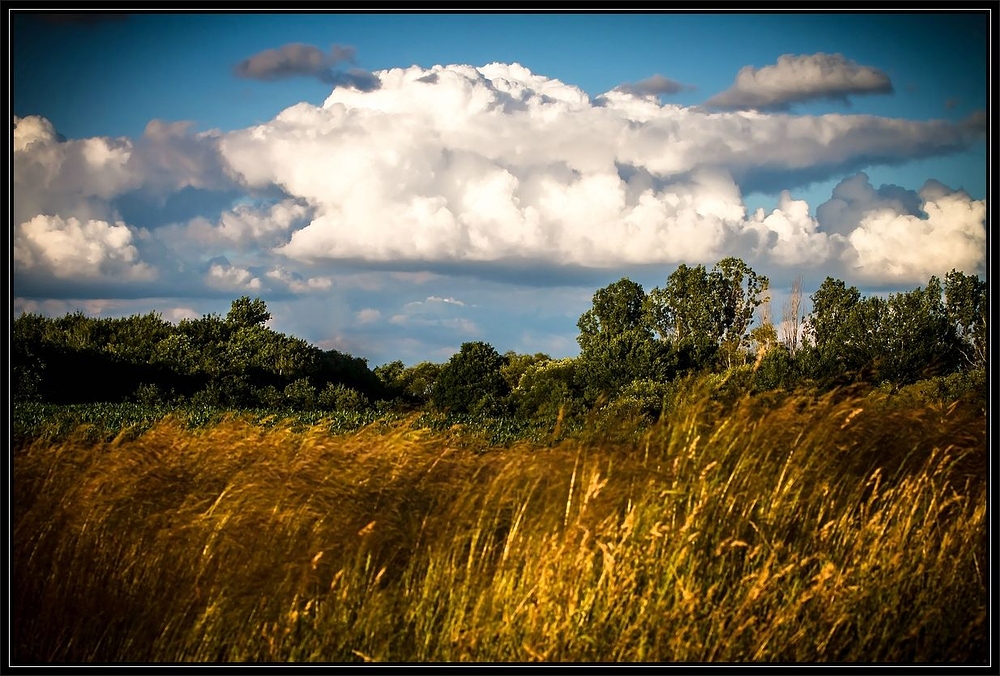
(899,339)
(707,314)
(341,398)
(547,389)
(967,306)
(697,324)
(617,345)
(246,313)
(777,369)
(213,361)
(471,380)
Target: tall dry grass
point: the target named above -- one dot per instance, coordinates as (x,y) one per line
(805,529)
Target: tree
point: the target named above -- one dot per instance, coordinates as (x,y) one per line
(777,369)
(742,291)
(417,382)
(548,387)
(841,331)
(390,374)
(341,398)
(28,356)
(301,394)
(897,340)
(617,345)
(706,314)
(967,304)
(471,378)
(617,309)
(791,317)
(247,312)
(516,364)
(764,338)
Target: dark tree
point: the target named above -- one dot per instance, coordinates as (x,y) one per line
(471,380)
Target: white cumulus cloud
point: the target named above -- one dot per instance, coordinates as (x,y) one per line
(74,249)
(227,277)
(493,164)
(892,246)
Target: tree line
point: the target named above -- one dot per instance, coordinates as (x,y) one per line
(635,346)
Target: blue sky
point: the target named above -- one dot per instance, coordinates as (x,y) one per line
(396,184)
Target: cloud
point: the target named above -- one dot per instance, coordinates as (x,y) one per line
(655,85)
(86,178)
(71,249)
(243,228)
(301,60)
(451,301)
(901,236)
(795,79)
(292,60)
(791,237)
(223,276)
(67,178)
(500,166)
(296,283)
(354,78)
(368,315)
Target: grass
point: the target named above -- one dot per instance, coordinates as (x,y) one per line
(794,528)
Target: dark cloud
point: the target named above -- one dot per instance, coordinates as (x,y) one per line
(657,85)
(870,142)
(795,79)
(855,197)
(359,79)
(293,60)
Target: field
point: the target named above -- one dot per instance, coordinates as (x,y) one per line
(783,528)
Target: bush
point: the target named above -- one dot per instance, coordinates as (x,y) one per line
(339,397)
(301,394)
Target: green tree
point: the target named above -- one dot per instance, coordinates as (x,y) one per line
(617,345)
(247,312)
(898,339)
(301,394)
(390,375)
(418,382)
(830,330)
(516,364)
(742,291)
(339,397)
(548,387)
(29,357)
(918,338)
(707,314)
(471,376)
(967,305)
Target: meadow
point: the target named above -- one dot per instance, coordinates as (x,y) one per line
(786,527)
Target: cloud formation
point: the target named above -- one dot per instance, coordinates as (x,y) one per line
(656,85)
(73,250)
(794,79)
(498,164)
(292,60)
(362,214)
(301,60)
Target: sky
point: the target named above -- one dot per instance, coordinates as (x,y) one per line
(396,184)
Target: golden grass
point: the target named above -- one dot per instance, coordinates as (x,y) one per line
(805,529)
